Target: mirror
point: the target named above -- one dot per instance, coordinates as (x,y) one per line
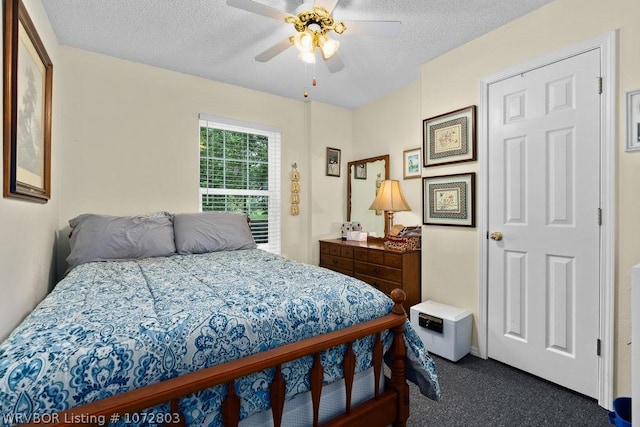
(364,178)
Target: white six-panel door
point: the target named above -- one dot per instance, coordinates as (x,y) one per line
(544,178)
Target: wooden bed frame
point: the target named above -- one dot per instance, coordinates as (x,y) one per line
(390,406)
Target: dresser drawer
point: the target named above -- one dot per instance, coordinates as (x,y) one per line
(393,260)
(369,255)
(374,264)
(325,248)
(379,271)
(337,263)
(361,254)
(346,252)
(328,248)
(336,250)
(381,285)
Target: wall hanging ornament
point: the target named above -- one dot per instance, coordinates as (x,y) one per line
(295,190)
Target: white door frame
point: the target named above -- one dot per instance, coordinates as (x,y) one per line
(607,44)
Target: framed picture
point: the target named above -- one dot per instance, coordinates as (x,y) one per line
(28,75)
(333,161)
(633,120)
(450,137)
(411,164)
(449,200)
(361,171)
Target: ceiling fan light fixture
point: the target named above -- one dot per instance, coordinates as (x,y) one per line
(339,27)
(303,41)
(308,56)
(328,46)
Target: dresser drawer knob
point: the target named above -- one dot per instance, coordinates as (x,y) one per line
(376,270)
(335,262)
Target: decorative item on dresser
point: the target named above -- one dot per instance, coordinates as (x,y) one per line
(371,262)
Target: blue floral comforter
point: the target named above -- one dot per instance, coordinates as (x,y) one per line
(109,327)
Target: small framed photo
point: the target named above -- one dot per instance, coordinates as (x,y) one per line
(450,137)
(633,120)
(361,171)
(333,161)
(449,200)
(411,164)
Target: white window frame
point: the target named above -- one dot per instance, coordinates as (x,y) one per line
(273,193)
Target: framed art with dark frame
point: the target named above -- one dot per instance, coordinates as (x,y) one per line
(411,164)
(333,161)
(449,200)
(28,76)
(360,171)
(450,137)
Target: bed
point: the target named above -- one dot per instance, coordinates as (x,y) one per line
(203,335)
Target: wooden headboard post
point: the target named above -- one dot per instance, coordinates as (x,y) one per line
(398,380)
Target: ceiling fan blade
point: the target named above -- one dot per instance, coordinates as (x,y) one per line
(274,50)
(373,28)
(327,4)
(334,64)
(259,8)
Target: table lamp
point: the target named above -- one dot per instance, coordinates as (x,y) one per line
(390,199)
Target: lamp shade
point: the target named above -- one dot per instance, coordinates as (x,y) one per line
(390,198)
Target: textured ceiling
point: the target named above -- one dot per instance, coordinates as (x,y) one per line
(208,38)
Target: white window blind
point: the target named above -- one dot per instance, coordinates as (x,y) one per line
(240,172)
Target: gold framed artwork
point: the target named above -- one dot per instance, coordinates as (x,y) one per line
(449,200)
(450,137)
(411,164)
(28,76)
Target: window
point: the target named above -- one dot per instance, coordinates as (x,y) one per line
(240,172)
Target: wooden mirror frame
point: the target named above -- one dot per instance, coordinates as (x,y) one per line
(384,157)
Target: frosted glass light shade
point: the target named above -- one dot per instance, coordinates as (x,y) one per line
(309,57)
(303,41)
(328,46)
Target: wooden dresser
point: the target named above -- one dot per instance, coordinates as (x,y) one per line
(372,263)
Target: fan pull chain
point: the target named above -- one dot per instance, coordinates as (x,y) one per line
(305,93)
(314,82)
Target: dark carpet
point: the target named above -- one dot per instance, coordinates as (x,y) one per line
(478,392)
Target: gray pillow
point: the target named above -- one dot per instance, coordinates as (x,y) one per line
(105,238)
(198,233)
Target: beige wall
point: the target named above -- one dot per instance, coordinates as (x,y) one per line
(130,144)
(391,125)
(452,81)
(28,230)
(328,127)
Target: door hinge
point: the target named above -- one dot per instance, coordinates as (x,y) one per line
(598,347)
(599,216)
(599,85)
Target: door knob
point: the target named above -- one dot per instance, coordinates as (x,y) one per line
(496,235)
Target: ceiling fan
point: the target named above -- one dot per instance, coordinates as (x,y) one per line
(313,29)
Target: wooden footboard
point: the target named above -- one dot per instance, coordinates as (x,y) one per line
(390,406)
